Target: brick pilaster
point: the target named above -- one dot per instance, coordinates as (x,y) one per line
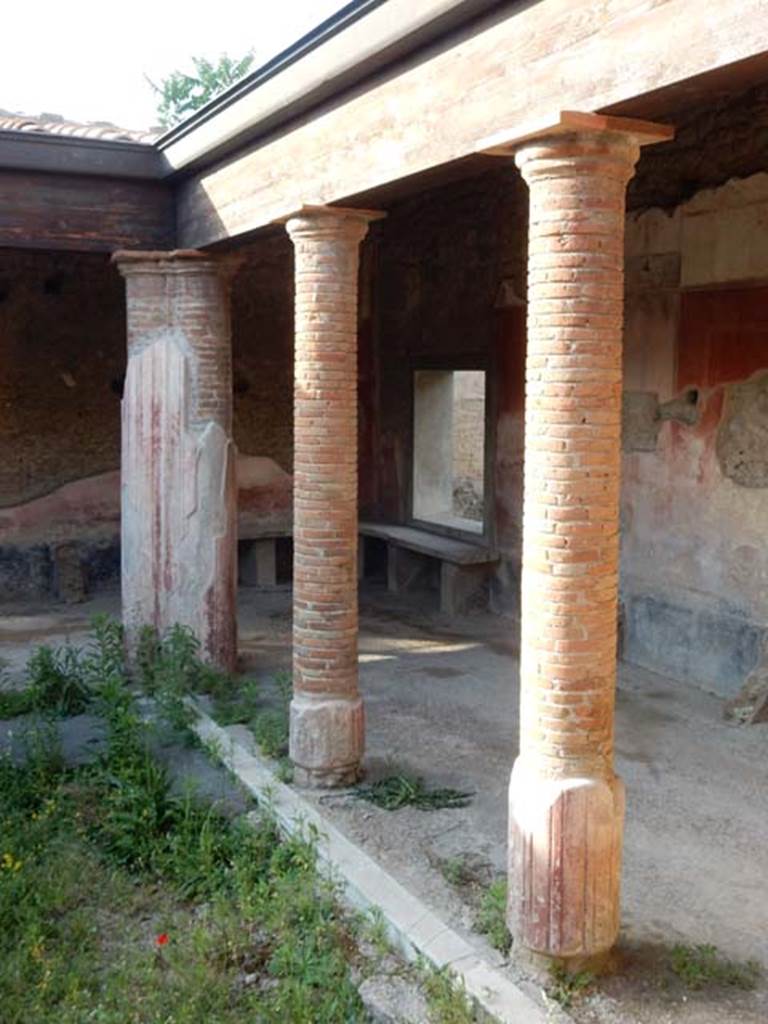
(179,491)
(327,732)
(566,803)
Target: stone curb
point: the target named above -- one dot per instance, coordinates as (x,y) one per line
(411,926)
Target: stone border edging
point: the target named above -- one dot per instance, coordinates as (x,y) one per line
(411,926)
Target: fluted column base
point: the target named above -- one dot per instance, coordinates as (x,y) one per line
(565,864)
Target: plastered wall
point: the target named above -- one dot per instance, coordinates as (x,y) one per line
(695,487)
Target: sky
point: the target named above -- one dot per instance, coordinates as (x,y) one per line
(89,60)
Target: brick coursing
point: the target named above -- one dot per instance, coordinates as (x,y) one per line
(326,746)
(565,859)
(572,449)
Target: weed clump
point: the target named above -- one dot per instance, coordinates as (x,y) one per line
(14,703)
(398,791)
(565,987)
(64,680)
(456,872)
(234,702)
(491,919)
(58,680)
(447,998)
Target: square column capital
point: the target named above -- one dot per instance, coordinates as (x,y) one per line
(568,123)
(173,262)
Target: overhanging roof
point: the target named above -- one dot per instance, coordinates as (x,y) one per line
(338,54)
(353,45)
(385,92)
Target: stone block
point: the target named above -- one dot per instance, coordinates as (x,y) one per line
(392,999)
(326,740)
(258,565)
(463,588)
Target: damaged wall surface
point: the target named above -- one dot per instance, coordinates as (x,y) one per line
(695,499)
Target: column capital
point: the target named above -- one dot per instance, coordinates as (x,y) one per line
(330,222)
(174,261)
(576,133)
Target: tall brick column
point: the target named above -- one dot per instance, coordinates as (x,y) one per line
(179,491)
(566,802)
(326,725)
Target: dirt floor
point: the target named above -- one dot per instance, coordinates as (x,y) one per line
(441,702)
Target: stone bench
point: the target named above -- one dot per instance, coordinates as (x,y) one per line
(464,565)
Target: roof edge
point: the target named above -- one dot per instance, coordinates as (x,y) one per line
(72,154)
(315,69)
(336,56)
(295,51)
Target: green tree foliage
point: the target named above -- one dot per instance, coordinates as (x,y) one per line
(180,94)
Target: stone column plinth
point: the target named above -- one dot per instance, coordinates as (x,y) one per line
(566,803)
(179,491)
(326,720)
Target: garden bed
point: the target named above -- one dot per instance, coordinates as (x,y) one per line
(126,897)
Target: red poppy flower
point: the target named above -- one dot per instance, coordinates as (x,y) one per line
(162,940)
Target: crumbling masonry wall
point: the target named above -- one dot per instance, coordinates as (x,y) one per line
(62,335)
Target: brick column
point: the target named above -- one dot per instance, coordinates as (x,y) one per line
(566,802)
(179,491)
(326,730)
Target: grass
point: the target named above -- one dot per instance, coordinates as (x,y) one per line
(491,919)
(269,725)
(59,680)
(698,967)
(702,966)
(262,940)
(57,684)
(186,915)
(447,999)
(14,703)
(237,704)
(398,791)
(62,681)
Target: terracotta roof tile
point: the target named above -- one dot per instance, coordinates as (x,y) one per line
(53,124)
